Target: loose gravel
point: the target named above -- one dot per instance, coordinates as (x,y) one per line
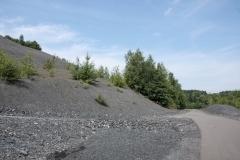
(55,118)
(121,138)
(224,110)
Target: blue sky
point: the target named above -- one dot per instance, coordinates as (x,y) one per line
(197,40)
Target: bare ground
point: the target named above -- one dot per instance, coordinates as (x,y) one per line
(56,118)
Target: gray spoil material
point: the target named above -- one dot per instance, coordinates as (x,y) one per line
(109,138)
(224,110)
(56,118)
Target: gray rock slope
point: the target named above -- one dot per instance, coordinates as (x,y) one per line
(56,118)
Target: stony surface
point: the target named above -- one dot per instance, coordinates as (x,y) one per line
(108,138)
(224,110)
(56,118)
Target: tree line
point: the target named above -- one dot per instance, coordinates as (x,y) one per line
(200,99)
(31,44)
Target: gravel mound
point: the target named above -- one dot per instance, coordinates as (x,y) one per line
(224,110)
(56,118)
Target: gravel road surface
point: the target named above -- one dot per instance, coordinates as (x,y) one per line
(220,136)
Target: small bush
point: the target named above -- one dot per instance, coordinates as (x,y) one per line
(100,99)
(119,90)
(84,71)
(28,66)
(51,72)
(50,63)
(85,86)
(116,78)
(9,68)
(68,66)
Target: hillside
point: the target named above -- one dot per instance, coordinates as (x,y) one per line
(56,118)
(62,95)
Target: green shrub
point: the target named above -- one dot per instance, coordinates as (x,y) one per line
(51,72)
(116,78)
(119,90)
(100,99)
(68,66)
(28,66)
(84,71)
(50,63)
(9,68)
(85,85)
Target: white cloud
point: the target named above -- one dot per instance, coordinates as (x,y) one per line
(45,33)
(213,72)
(194,34)
(176,1)
(167,11)
(11,20)
(156,34)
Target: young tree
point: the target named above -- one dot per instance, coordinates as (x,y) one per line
(21,40)
(84,71)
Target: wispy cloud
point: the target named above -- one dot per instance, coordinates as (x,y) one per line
(11,20)
(176,1)
(167,12)
(45,33)
(190,11)
(228,48)
(156,34)
(196,33)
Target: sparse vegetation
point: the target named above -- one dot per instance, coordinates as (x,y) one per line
(50,63)
(9,68)
(100,99)
(51,72)
(119,90)
(28,68)
(117,78)
(103,73)
(85,86)
(83,71)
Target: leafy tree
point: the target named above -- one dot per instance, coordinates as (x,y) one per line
(31,44)
(134,70)
(156,83)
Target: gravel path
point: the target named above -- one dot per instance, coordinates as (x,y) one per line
(220,138)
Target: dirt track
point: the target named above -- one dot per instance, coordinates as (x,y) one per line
(220,137)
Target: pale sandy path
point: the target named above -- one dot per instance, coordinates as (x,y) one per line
(220,137)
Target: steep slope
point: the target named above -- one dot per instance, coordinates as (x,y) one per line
(56,118)
(62,96)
